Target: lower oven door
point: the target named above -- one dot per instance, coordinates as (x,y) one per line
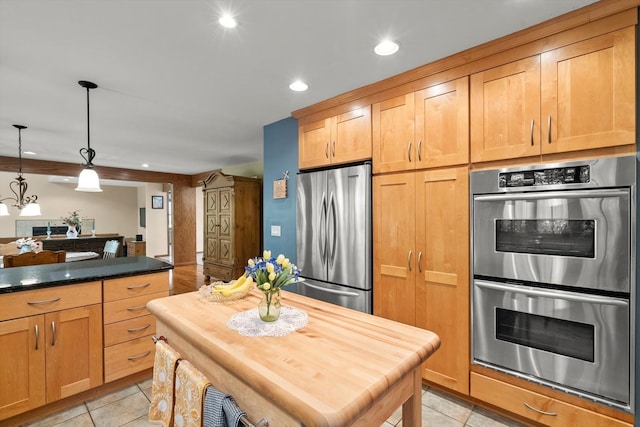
(575,341)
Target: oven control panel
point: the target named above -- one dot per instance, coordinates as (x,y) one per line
(543,177)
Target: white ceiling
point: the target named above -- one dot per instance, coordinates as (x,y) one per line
(181,93)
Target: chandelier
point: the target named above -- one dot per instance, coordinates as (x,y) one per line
(88,179)
(28,205)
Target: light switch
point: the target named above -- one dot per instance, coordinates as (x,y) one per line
(275,230)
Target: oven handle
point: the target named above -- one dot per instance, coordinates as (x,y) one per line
(574,194)
(569,296)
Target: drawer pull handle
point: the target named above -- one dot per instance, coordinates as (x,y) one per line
(549,130)
(409,260)
(142,328)
(139,286)
(47,301)
(140,307)
(420,150)
(333,149)
(37,331)
(140,356)
(53,334)
(409,151)
(552,414)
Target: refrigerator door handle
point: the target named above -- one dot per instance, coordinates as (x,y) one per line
(332,230)
(322,241)
(328,290)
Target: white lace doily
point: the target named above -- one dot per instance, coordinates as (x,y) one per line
(248,323)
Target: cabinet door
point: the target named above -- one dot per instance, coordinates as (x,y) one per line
(313,144)
(588,92)
(351,137)
(394,257)
(394,145)
(211,217)
(442,283)
(442,124)
(226,228)
(22,365)
(74,351)
(505,111)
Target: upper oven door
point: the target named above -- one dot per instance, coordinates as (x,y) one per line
(576,238)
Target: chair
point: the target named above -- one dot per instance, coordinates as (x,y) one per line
(110,249)
(34,258)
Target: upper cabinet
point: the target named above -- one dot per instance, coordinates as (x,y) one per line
(423,129)
(577,97)
(588,93)
(339,139)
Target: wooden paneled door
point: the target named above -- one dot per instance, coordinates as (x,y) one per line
(394,254)
(313,144)
(588,93)
(442,124)
(505,111)
(22,365)
(442,282)
(74,351)
(393,134)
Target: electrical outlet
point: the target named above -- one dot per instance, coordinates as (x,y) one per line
(275,230)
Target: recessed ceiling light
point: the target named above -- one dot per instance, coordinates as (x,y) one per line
(29,152)
(228,21)
(145,165)
(298,86)
(386,47)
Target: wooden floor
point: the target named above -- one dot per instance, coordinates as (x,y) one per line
(186,278)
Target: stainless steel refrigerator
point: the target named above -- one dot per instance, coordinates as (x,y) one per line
(333,224)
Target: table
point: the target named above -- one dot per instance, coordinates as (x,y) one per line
(345,368)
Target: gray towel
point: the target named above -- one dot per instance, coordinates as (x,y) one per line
(220,409)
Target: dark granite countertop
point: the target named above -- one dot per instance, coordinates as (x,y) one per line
(16,279)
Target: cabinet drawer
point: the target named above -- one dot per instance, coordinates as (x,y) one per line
(134,286)
(218,272)
(127,330)
(515,399)
(124,309)
(127,358)
(46,300)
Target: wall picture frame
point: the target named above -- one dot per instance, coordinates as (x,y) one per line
(157,202)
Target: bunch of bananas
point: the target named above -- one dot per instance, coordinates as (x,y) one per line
(241,285)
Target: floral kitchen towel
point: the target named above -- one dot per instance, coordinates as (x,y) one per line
(190,388)
(162,388)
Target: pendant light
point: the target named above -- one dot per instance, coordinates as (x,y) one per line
(88,179)
(28,205)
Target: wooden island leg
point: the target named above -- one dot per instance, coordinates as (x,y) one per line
(412,408)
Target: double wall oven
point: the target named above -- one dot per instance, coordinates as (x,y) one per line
(553,297)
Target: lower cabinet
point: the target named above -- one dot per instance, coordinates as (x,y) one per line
(128,326)
(51,342)
(535,406)
(421,262)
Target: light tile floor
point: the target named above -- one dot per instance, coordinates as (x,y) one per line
(129,406)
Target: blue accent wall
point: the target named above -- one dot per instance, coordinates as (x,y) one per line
(280,155)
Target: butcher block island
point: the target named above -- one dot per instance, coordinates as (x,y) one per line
(343,368)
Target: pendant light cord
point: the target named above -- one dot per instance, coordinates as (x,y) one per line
(88,153)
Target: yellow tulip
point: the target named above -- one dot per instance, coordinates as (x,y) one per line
(272,277)
(270,268)
(280,259)
(251,263)
(285,263)
(266,286)
(266,254)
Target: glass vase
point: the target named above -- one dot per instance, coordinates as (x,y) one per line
(269,306)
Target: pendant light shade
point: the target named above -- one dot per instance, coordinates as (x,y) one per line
(28,205)
(88,179)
